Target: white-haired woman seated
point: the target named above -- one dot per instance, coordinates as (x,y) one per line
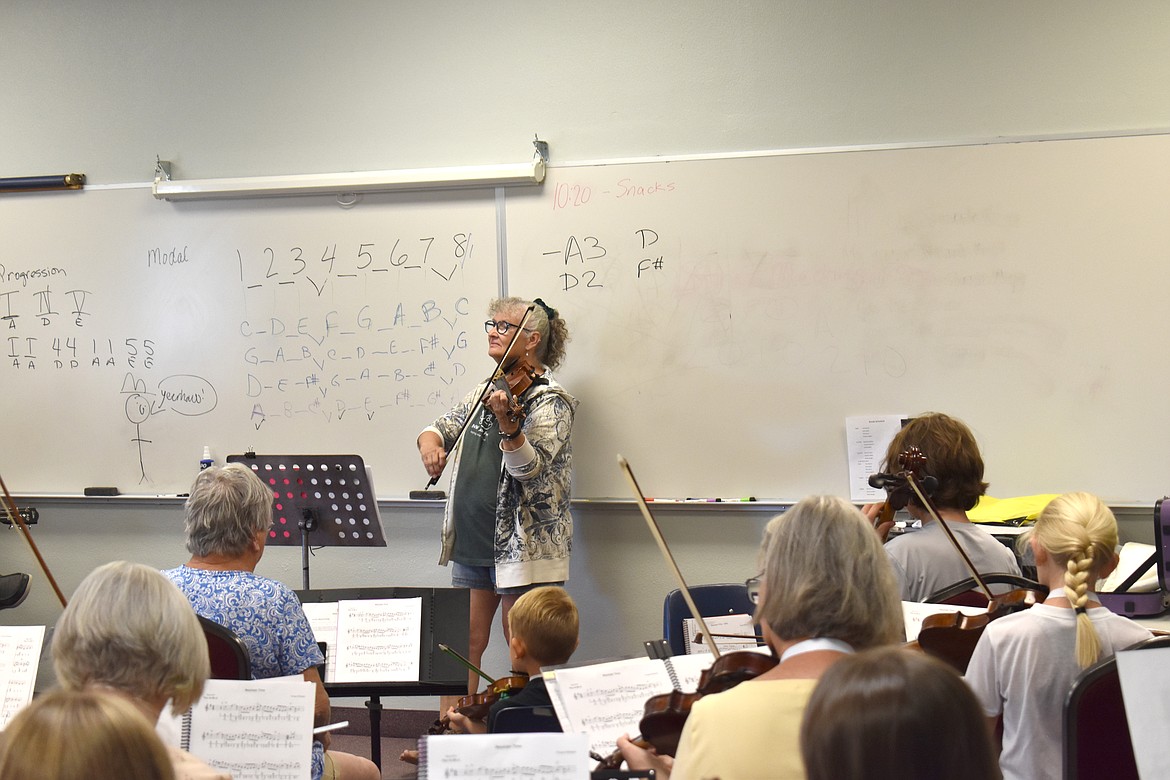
(229,512)
(826,590)
(129,630)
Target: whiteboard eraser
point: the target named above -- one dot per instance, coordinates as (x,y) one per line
(101,491)
(428,495)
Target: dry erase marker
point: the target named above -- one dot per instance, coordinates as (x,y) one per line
(734,500)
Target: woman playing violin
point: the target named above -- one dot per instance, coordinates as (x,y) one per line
(507,526)
(826,590)
(925,561)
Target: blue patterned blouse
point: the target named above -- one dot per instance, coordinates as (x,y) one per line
(264,613)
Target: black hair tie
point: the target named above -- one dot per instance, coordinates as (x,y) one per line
(549,311)
(1082,610)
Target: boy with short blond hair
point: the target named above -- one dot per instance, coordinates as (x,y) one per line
(544,627)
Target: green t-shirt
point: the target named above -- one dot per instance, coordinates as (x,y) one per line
(474,494)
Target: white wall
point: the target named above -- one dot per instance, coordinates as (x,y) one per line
(249,88)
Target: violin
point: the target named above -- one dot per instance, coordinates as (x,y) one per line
(497,373)
(663,715)
(514,380)
(950,637)
(477,705)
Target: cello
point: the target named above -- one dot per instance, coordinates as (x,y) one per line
(951,637)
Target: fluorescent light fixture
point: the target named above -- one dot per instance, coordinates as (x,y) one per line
(66,181)
(462,177)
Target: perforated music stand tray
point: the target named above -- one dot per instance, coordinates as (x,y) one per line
(318,500)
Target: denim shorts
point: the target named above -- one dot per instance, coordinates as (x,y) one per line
(484,578)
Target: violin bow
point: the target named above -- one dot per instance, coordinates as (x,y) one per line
(455,654)
(657,534)
(915,454)
(496,374)
(15,517)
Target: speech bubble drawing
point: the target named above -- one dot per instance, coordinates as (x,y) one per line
(186,394)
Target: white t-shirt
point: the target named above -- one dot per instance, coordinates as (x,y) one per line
(925,561)
(1024,667)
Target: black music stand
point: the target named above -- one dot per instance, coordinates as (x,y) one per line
(318,500)
(446,615)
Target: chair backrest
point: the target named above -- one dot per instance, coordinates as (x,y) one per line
(711,600)
(516,720)
(967,593)
(228,653)
(1096,731)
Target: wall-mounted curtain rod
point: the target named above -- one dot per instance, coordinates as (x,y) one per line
(65,181)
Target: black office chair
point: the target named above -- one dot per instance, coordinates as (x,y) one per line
(1096,732)
(967,593)
(523,720)
(711,600)
(228,653)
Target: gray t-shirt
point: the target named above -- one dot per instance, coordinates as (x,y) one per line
(925,561)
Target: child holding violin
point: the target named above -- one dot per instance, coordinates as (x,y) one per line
(925,561)
(1025,663)
(544,632)
(826,590)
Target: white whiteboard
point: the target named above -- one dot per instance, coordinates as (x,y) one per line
(136,332)
(727,315)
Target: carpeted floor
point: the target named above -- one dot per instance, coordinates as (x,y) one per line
(400,731)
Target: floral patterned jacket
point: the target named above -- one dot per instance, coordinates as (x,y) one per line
(534,530)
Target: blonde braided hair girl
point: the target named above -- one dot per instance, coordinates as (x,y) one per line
(1078,532)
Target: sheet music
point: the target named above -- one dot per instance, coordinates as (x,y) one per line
(914,613)
(21,647)
(689,668)
(322,617)
(608,699)
(1145,687)
(494,756)
(378,640)
(868,437)
(720,624)
(255,729)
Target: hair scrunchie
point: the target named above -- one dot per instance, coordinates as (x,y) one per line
(549,311)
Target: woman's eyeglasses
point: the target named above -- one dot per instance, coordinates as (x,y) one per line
(502,327)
